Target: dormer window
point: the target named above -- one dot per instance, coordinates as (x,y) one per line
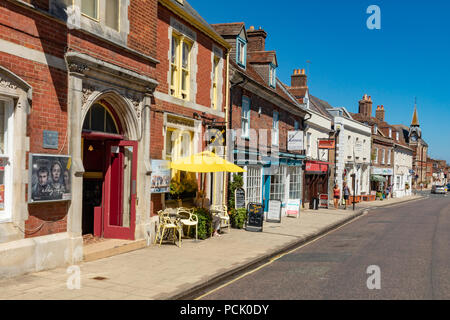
(241,52)
(375,129)
(390,132)
(272,76)
(397,136)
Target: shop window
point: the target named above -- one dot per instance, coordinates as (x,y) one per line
(294,182)
(278,184)
(100,119)
(180,66)
(253,184)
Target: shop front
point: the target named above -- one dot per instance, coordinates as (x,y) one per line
(316,181)
(380,179)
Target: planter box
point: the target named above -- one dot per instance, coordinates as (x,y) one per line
(357,199)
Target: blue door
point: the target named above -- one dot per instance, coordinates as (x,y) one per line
(266,191)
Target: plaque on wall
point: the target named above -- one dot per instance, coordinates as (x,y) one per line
(50,139)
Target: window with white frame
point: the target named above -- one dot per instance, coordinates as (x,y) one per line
(253,185)
(390,132)
(275,132)
(397,186)
(278,184)
(241,48)
(389,157)
(375,129)
(308,144)
(397,138)
(272,76)
(6,143)
(180,66)
(92,9)
(383,156)
(245,117)
(295,182)
(375,158)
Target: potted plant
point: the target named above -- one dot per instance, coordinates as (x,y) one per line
(176,189)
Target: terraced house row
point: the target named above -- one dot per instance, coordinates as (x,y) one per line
(97,97)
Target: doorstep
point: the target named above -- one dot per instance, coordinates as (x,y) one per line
(110,247)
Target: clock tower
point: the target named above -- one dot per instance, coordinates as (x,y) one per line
(415,133)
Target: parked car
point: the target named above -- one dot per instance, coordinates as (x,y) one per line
(439,189)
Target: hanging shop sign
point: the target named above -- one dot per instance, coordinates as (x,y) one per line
(161,175)
(383,171)
(239,198)
(274,213)
(216,136)
(50,177)
(295,141)
(255,217)
(316,167)
(293,208)
(326,144)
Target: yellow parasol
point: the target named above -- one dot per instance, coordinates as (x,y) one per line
(205,161)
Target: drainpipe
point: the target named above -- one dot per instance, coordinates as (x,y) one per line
(227,98)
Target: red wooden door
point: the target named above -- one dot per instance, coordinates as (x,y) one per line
(119,202)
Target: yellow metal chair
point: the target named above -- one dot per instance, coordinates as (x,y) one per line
(222,212)
(189,219)
(168,223)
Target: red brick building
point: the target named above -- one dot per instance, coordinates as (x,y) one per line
(382,159)
(262,113)
(191,96)
(76,85)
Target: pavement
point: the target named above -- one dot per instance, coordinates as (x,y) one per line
(169,272)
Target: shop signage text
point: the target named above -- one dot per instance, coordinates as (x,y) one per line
(295,141)
(326,144)
(311,166)
(383,171)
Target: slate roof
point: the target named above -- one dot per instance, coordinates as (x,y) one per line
(228,29)
(261,56)
(320,106)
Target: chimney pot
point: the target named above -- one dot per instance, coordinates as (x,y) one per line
(252,28)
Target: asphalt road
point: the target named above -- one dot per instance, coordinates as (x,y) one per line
(410,243)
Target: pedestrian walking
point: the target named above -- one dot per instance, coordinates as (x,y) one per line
(337,195)
(346,191)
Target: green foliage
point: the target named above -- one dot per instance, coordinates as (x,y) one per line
(380,195)
(238,218)
(176,188)
(204,224)
(185,184)
(238,182)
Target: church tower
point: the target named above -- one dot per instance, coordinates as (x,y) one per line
(415,133)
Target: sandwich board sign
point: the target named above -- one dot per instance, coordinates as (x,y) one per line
(293,208)
(274,213)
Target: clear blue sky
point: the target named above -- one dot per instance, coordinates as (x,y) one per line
(408,57)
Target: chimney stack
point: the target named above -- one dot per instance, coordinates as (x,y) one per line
(379,113)
(299,79)
(365,106)
(256,39)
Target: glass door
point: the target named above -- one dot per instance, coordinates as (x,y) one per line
(119,217)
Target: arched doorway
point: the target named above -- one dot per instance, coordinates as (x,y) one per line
(109,180)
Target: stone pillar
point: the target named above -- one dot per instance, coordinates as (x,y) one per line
(74,218)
